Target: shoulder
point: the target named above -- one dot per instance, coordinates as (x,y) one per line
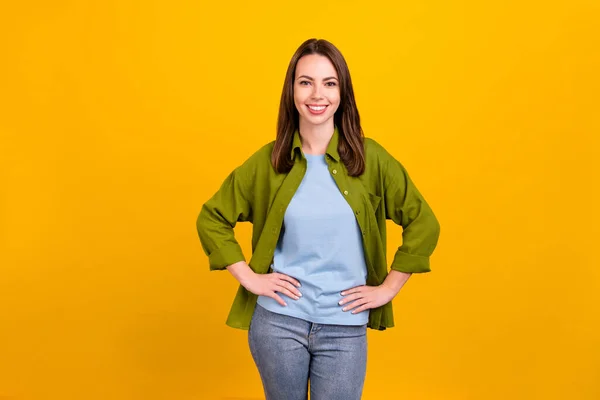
(376,154)
(260,160)
(261,155)
(382,165)
(372,147)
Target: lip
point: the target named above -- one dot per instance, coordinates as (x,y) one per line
(317,105)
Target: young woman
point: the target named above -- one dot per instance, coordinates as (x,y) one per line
(318,198)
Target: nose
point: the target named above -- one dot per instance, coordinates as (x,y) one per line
(316,93)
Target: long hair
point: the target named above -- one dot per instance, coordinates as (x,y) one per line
(346,117)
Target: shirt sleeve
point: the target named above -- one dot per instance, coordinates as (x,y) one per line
(406,207)
(219,216)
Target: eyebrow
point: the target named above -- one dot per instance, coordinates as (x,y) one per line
(325,79)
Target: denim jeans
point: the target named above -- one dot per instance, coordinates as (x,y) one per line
(290,351)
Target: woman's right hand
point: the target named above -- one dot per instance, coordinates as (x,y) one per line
(265,284)
(269,284)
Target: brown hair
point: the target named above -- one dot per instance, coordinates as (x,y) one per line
(346,117)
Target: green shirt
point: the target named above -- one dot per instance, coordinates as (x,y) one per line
(256,193)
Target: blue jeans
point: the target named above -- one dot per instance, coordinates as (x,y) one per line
(290,351)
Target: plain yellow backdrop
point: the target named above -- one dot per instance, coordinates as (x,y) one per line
(119,119)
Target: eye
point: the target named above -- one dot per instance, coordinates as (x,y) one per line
(330,83)
(303,82)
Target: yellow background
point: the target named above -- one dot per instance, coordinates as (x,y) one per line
(119,119)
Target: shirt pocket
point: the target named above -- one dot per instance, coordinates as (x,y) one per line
(374,200)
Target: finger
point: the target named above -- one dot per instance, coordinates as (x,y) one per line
(361,308)
(285,291)
(352,290)
(278,299)
(288,278)
(289,287)
(355,304)
(350,297)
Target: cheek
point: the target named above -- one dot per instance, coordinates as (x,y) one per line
(298,95)
(297,101)
(335,100)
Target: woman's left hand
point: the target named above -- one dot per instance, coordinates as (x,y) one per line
(362,298)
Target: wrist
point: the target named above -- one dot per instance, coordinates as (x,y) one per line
(246,278)
(395,280)
(392,288)
(242,272)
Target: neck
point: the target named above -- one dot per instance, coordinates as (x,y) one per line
(315,138)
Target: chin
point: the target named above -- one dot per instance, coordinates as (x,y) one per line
(318,120)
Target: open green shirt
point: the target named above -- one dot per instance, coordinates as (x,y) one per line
(256,193)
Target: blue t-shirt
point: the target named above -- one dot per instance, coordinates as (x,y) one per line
(321,246)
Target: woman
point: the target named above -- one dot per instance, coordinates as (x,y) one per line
(318,198)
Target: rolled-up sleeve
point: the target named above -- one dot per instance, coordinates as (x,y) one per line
(407,207)
(219,216)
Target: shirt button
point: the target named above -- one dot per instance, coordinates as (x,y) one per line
(346,192)
(334,171)
(357,212)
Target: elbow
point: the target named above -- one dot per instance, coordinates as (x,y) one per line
(203,222)
(436,226)
(200,219)
(434,230)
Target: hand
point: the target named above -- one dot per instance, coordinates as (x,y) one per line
(366,297)
(269,284)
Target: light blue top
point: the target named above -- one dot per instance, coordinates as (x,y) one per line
(321,246)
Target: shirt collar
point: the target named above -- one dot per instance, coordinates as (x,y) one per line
(332,147)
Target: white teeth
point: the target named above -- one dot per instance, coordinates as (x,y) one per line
(317,108)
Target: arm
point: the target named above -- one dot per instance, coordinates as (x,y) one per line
(421,230)
(406,207)
(215,225)
(395,280)
(219,216)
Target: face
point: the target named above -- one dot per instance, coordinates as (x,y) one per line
(316,90)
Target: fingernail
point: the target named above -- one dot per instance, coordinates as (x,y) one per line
(343,309)
(340,302)
(299,294)
(343,293)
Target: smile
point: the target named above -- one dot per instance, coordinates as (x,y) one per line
(317,109)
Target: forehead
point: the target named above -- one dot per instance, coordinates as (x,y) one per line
(315,66)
